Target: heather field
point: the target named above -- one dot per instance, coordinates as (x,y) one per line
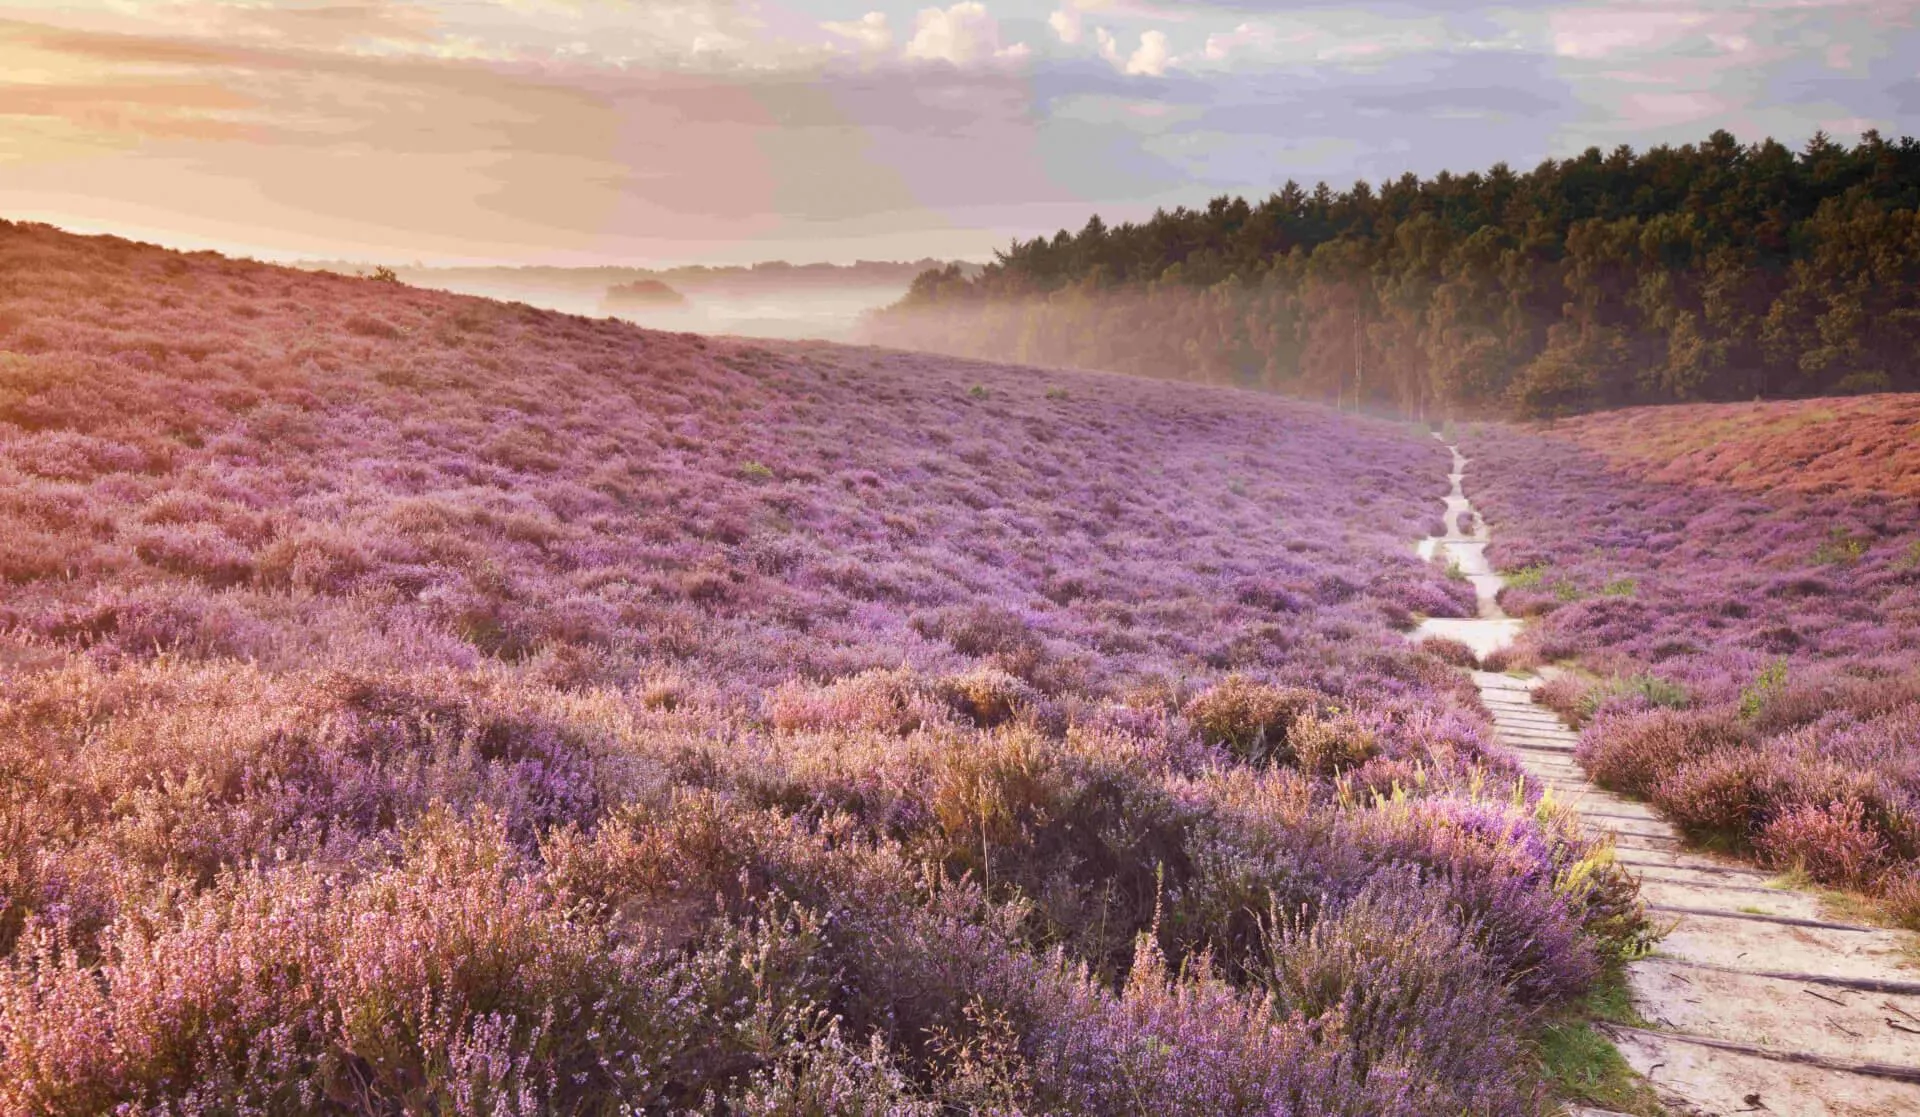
(1738,589)
(414,703)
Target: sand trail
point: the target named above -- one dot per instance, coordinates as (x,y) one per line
(1759,1003)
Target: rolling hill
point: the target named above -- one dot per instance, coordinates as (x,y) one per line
(419,703)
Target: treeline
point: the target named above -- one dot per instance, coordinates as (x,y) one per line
(1709,271)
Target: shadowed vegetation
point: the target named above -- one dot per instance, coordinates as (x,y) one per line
(1707,271)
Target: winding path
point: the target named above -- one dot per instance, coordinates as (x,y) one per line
(1757,1003)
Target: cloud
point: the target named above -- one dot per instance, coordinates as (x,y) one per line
(871,32)
(1069,24)
(575,130)
(1069,21)
(1152,57)
(1223,44)
(965,34)
(1596,33)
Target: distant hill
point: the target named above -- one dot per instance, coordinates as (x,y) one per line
(641,293)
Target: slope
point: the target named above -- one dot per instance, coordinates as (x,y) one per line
(414,703)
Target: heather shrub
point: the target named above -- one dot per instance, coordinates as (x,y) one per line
(989,697)
(198,552)
(993,792)
(1252,719)
(986,630)
(1504,659)
(1450,651)
(893,701)
(446,982)
(1563,694)
(827,1077)
(1720,797)
(313,560)
(1393,980)
(1078,835)
(1635,752)
(1328,746)
(1831,843)
(1900,896)
(1542,902)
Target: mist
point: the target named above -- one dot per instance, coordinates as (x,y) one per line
(776,299)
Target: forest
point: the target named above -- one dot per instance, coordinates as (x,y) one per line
(1710,271)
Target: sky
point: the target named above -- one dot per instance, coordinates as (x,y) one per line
(725,131)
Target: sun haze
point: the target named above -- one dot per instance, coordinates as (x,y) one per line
(712,131)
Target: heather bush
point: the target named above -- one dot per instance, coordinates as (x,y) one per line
(888,701)
(988,697)
(1565,694)
(1250,718)
(1546,905)
(1635,751)
(1450,651)
(827,1077)
(1830,843)
(1331,745)
(446,982)
(1900,894)
(1394,980)
(1719,797)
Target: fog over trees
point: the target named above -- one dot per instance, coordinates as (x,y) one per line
(1709,271)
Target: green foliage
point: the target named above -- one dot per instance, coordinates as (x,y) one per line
(1540,576)
(1584,1065)
(1527,577)
(755,471)
(1057,394)
(1660,692)
(978,391)
(384,274)
(1910,560)
(1841,548)
(1621,587)
(1454,573)
(1656,690)
(1769,682)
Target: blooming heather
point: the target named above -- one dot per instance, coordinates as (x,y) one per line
(1743,584)
(415,703)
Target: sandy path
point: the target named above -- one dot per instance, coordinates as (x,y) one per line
(1758,1002)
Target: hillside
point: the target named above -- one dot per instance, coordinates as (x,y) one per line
(1739,586)
(1866,446)
(1708,271)
(413,702)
